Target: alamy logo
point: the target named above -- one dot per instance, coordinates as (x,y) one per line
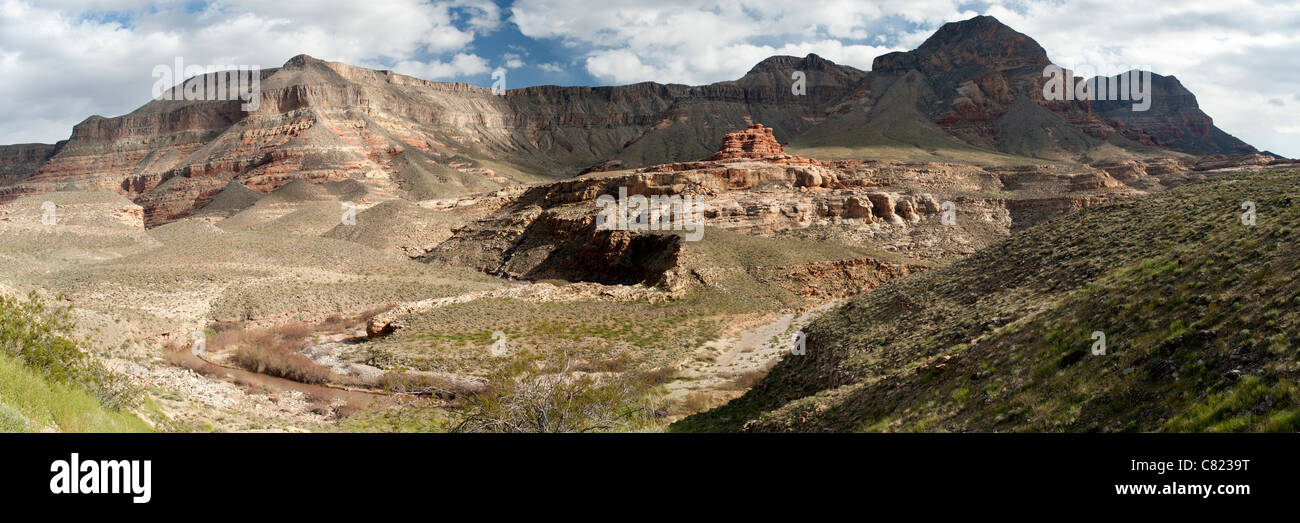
(1133,85)
(102,477)
(660,212)
(949,214)
(1098,343)
(499,82)
(211,82)
(349,213)
(1248,213)
(499,346)
(799,344)
(200,344)
(48,216)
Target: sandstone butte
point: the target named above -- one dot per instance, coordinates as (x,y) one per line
(754,142)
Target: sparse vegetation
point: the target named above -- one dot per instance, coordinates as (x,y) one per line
(1199,313)
(29,402)
(48,382)
(274,352)
(535,394)
(40,337)
(408,382)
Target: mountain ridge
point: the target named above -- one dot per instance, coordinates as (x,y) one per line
(968,93)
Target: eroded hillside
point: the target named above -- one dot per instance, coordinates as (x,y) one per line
(1197,310)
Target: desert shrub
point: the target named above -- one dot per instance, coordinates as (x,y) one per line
(31,402)
(698,401)
(295,333)
(420,383)
(334,322)
(409,382)
(11,420)
(275,352)
(220,326)
(609,364)
(536,394)
(662,375)
(746,380)
(339,322)
(40,337)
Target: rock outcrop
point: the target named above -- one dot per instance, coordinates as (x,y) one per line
(751,187)
(755,141)
(1224,161)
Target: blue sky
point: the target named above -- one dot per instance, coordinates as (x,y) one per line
(64,60)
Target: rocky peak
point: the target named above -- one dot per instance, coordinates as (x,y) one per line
(784,64)
(755,141)
(301,61)
(1173,120)
(980,41)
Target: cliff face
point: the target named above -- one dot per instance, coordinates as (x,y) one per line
(17,162)
(1174,121)
(985,85)
(975,83)
(322,121)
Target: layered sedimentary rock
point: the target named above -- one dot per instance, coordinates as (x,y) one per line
(974,84)
(550,230)
(1223,161)
(323,121)
(17,162)
(755,141)
(986,81)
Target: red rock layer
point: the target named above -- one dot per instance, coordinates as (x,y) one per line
(753,142)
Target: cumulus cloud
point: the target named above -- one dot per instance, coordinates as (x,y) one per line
(1236,56)
(692,42)
(63,60)
(461,65)
(512,61)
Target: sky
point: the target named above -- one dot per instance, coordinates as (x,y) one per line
(64,60)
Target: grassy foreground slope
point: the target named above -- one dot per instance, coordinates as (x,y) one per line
(31,403)
(47,384)
(1201,317)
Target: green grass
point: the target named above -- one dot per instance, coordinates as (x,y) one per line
(31,403)
(1251,405)
(48,383)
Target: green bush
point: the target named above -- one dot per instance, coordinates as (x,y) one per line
(536,394)
(39,336)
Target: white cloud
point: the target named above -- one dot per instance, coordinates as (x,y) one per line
(694,42)
(63,60)
(1235,55)
(512,60)
(461,65)
(622,65)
